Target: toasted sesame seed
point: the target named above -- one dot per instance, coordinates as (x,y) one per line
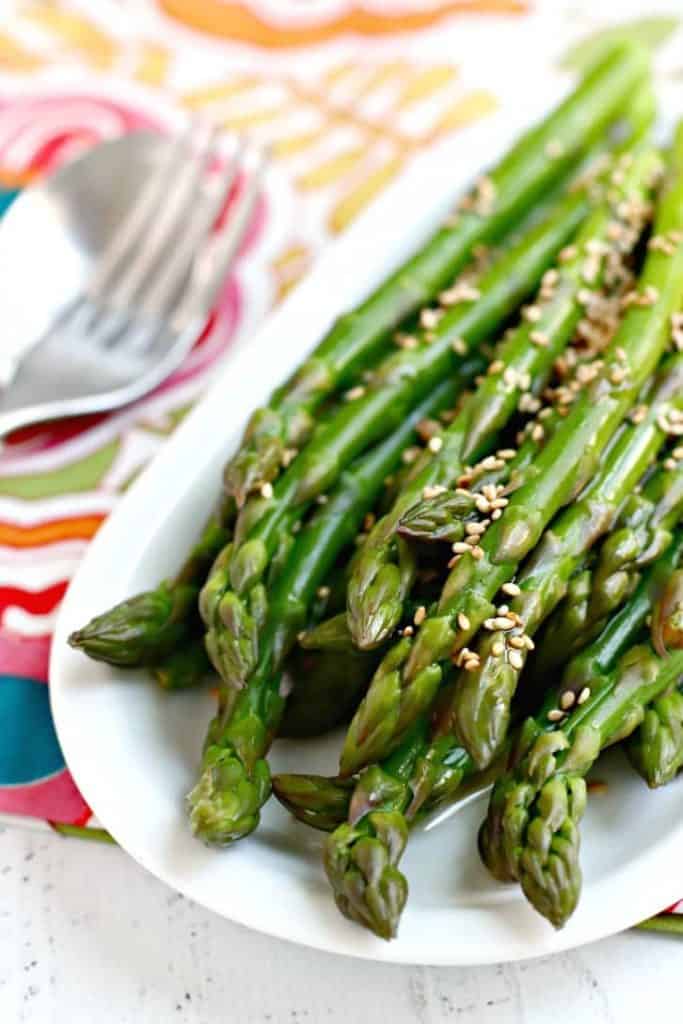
(511,588)
(459,547)
(471,665)
(503,609)
(474,529)
(477,553)
(433,491)
(638,414)
(497,648)
(529,644)
(518,642)
(407,341)
(539,338)
(463,621)
(516,660)
(453,561)
(288,455)
(532,314)
(496,514)
(537,433)
(420,615)
(499,622)
(567,699)
(568,253)
(499,503)
(429,318)
(555,715)
(459,347)
(495,367)
(584,695)
(617,374)
(267,491)
(482,503)
(355,393)
(323,593)
(322,499)
(511,377)
(435,444)
(408,631)
(669,464)
(506,453)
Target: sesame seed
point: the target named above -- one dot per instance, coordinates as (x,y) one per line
(568,253)
(504,609)
(406,341)
(638,414)
(567,699)
(408,631)
(516,660)
(496,366)
(584,695)
(288,455)
(529,644)
(322,499)
(420,615)
(499,622)
(532,314)
(410,454)
(433,492)
(482,503)
(506,453)
(539,338)
(474,529)
(459,347)
(463,621)
(429,318)
(323,593)
(555,715)
(459,547)
(267,491)
(511,377)
(477,553)
(511,588)
(471,665)
(537,433)
(617,375)
(496,514)
(518,642)
(435,444)
(355,393)
(670,464)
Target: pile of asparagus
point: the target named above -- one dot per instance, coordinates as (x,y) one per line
(473,488)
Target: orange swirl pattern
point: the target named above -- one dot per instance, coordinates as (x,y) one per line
(240,23)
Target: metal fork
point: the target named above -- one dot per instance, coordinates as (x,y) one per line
(148,296)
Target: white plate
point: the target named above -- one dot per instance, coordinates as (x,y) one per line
(133,751)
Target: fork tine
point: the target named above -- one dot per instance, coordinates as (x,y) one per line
(171,209)
(163,287)
(200,295)
(136,220)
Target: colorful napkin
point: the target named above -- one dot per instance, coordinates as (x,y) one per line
(347,94)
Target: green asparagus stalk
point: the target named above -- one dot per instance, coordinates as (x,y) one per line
(644,530)
(529,169)
(235,779)
(481,708)
(531,831)
(147,628)
(656,747)
(385,568)
(398,384)
(405,686)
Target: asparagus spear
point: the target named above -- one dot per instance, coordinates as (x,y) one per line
(498,200)
(656,747)
(384,570)
(398,384)
(480,710)
(531,830)
(145,629)
(643,532)
(563,467)
(235,779)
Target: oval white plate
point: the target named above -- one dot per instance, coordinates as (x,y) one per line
(133,751)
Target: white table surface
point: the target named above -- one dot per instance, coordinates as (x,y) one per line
(88,937)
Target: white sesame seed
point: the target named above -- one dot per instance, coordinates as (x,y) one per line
(267,491)
(408,631)
(555,715)
(584,695)
(460,547)
(497,648)
(516,660)
(420,615)
(459,347)
(477,553)
(567,699)
(511,588)
(355,393)
(323,593)
(433,491)
(435,444)
(463,621)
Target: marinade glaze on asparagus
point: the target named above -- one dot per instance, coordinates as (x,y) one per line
(562,469)
(534,163)
(384,569)
(398,384)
